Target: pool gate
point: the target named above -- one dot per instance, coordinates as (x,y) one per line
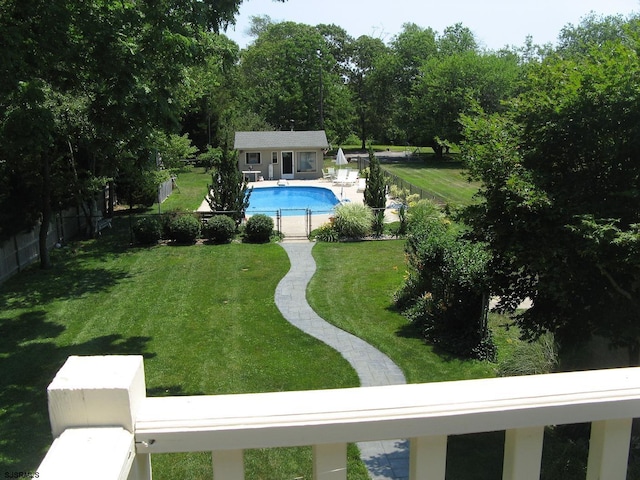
(294,222)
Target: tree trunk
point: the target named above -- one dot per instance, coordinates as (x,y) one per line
(634,354)
(437,149)
(46,212)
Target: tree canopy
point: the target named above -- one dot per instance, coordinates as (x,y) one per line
(560,171)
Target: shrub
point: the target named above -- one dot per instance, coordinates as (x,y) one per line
(531,358)
(147,231)
(444,294)
(378,222)
(166,219)
(353,220)
(258,228)
(220,229)
(184,229)
(326,233)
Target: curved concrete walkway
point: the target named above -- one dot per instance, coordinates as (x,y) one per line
(385,460)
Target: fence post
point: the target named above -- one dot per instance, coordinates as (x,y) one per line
(100,391)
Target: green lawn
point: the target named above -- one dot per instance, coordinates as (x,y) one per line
(192,188)
(353,288)
(203,316)
(444,179)
(205,320)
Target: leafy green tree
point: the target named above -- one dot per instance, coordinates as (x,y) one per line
(290,80)
(411,48)
(450,86)
(560,195)
(98,78)
(172,149)
(456,39)
(229,190)
(366,54)
(446,291)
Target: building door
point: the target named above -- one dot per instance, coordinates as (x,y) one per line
(287,165)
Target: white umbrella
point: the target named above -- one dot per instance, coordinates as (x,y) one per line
(340,158)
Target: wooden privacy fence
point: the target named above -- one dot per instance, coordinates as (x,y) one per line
(22,250)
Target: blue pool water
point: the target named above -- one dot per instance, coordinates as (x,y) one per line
(291,200)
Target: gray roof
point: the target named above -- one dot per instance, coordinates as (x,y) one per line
(280,140)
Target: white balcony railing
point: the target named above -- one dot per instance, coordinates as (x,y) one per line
(103,422)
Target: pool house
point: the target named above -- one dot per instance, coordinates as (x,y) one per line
(281,155)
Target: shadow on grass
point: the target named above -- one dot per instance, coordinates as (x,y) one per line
(427,160)
(30,352)
(29,359)
(76,270)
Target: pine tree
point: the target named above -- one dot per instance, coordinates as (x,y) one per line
(229,190)
(375,193)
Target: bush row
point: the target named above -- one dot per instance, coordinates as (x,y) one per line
(353,221)
(186,229)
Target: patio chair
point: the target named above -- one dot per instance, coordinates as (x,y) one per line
(329,173)
(352,178)
(341,176)
(362,185)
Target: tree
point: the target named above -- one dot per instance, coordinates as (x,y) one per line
(450,86)
(375,192)
(229,190)
(366,52)
(290,79)
(560,195)
(446,291)
(97,78)
(411,48)
(456,39)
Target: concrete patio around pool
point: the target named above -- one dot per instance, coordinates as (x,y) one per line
(295,226)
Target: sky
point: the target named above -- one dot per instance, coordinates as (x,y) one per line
(495,23)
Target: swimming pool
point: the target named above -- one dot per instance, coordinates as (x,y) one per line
(291,200)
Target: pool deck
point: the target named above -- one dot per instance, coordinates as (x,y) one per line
(294,226)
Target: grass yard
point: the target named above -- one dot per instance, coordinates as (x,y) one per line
(445,179)
(360,302)
(203,316)
(192,188)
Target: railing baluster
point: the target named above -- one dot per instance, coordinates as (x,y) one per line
(228,464)
(330,461)
(609,449)
(428,460)
(523,453)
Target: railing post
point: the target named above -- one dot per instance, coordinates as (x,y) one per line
(228,464)
(428,458)
(523,453)
(330,461)
(100,391)
(609,449)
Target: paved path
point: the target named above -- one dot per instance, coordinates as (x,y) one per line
(385,460)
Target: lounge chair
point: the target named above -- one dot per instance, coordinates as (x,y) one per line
(341,176)
(352,178)
(329,173)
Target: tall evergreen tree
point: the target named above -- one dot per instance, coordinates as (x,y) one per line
(375,193)
(229,190)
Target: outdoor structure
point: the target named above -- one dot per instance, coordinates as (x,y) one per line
(103,422)
(281,155)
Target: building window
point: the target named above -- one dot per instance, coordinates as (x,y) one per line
(252,158)
(274,157)
(307,162)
